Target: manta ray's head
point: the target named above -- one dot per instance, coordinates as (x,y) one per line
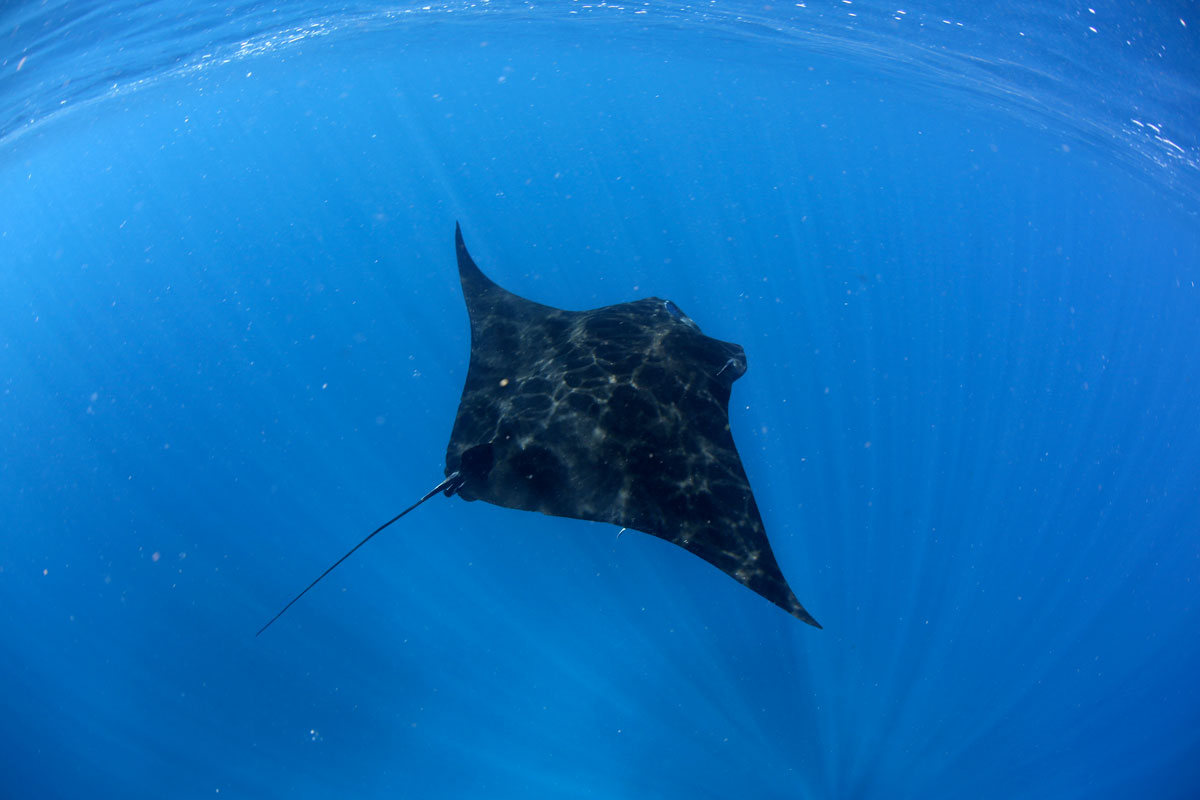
(726,360)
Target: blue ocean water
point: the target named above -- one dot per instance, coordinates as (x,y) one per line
(960,247)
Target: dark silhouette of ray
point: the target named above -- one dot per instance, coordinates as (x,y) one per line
(618,414)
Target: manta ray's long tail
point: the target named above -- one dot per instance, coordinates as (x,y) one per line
(449,486)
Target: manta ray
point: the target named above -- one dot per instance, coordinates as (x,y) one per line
(619,414)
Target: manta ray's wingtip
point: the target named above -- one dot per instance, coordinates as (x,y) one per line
(475,283)
(460,246)
(798,611)
(466,264)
